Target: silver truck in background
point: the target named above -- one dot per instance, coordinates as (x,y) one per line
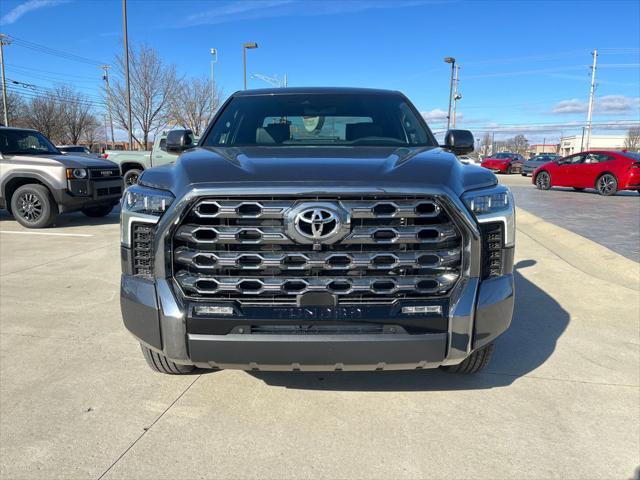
(133,163)
(38,182)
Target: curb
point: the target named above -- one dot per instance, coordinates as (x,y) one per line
(580,252)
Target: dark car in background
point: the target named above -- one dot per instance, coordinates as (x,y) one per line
(80,150)
(530,165)
(504,162)
(606,171)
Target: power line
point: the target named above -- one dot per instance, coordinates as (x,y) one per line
(52,51)
(63,74)
(30,94)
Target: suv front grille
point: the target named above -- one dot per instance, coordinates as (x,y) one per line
(395,248)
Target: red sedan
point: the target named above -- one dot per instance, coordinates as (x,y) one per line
(606,171)
(504,162)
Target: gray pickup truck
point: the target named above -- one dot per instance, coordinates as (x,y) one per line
(38,182)
(318,229)
(133,163)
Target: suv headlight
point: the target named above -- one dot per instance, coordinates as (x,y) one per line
(144,205)
(494,204)
(76,173)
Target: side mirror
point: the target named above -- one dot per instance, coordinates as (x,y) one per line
(179,141)
(459,141)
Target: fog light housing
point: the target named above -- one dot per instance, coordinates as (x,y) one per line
(210,310)
(422,309)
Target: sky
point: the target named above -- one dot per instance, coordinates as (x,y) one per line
(524,65)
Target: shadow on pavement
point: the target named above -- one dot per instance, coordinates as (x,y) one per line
(74,219)
(538,322)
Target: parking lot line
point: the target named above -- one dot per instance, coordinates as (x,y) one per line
(47,233)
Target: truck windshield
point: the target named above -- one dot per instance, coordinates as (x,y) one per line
(25,142)
(318,119)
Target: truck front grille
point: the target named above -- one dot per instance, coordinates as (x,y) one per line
(393,248)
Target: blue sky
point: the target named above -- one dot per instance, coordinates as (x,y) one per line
(523,64)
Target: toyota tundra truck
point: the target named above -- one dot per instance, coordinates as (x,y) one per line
(38,181)
(317,229)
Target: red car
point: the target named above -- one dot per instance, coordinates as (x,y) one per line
(606,171)
(504,162)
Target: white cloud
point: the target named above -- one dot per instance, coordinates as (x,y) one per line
(570,106)
(15,13)
(252,9)
(435,116)
(606,105)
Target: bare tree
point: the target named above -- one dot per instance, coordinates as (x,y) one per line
(485,144)
(44,114)
(518,144)
(194,104)
(75,113)
(15,109)
(153,85)
(632,142)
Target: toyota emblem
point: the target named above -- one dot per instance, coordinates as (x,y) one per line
(321,222)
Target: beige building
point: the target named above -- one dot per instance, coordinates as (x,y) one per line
(576,143)
(538,148)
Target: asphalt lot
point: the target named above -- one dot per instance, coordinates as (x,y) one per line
(610,221)
(559,400)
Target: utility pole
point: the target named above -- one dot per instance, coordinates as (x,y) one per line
(214,59)
(456,94)
(4,40)
(452,61)
(592,92)
(126,71)
(105,77)
(493,145)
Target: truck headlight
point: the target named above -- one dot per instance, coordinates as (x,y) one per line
(76,173)
(494,204)
(142,205)
(147,201)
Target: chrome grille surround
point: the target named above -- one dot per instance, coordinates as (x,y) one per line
(239,249)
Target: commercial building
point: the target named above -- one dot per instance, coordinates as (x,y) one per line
(538,148)
(577,143)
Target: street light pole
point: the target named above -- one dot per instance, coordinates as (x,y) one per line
(4,40)
(452,61)
(456,94)
(126,70)
(592,91)
(245,47)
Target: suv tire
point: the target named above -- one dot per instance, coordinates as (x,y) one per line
(475,362)
(97,211)
(162,364)
(33,206)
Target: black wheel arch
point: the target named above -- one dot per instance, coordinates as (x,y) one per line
(15,180)
(126,166)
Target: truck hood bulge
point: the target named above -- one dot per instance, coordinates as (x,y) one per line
(365,168)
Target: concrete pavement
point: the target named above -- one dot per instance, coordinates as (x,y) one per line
(559,400)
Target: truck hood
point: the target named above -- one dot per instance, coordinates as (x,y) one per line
(315,168)
(69,161)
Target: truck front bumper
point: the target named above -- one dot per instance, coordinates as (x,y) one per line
(158,318)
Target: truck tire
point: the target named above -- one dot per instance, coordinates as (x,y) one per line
(98,211)
(162,364)
(474,362)
(33,206)
(131,177)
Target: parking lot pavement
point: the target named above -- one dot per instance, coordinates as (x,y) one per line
(610,221)
(559,400)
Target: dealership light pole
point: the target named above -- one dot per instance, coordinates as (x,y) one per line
(126,71)
(452,61)
(4,40)
(245,47)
